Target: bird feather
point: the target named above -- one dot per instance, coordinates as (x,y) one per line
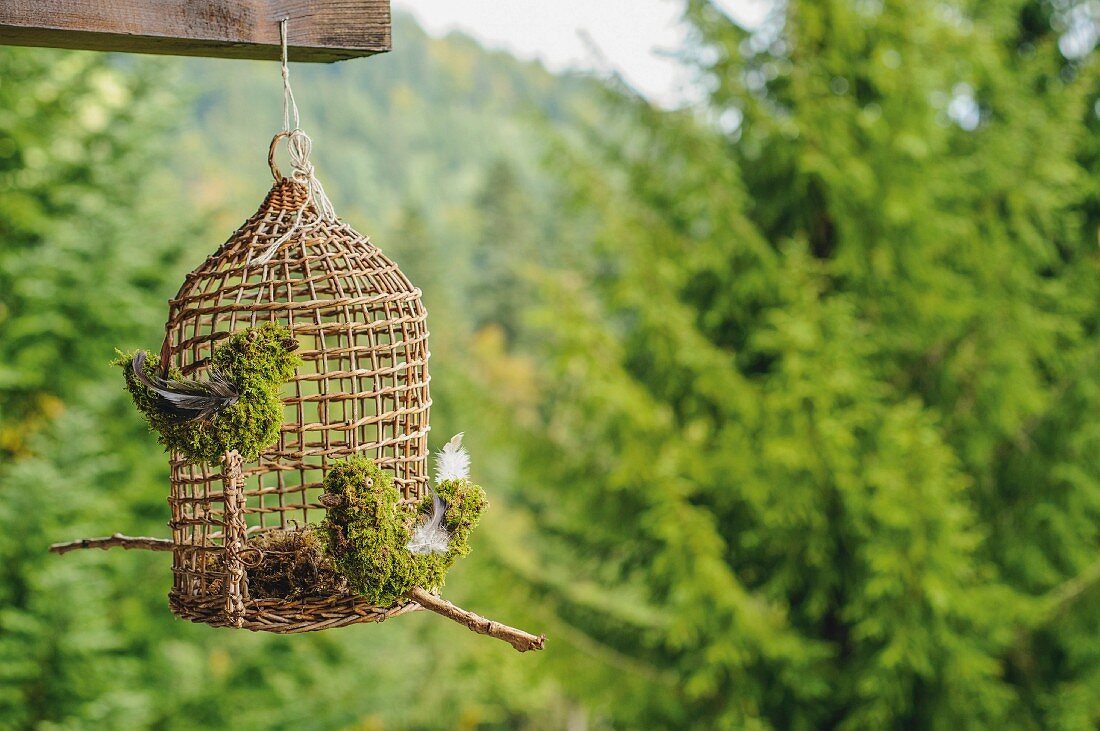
(188,400)
(453,461)
(431,536)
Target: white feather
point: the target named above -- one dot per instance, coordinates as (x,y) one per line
(453,461)
(431,536)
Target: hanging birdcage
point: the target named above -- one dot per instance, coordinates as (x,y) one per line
(362,389)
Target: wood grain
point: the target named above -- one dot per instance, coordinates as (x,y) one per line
(319,30)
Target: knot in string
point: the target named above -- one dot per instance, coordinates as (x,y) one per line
(299,146)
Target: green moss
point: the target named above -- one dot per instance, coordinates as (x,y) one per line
(367,530)
(258,361)
(465,502)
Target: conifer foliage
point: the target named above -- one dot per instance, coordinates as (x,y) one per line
(814,435)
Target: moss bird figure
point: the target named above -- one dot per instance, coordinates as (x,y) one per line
(236,407)
(385,547)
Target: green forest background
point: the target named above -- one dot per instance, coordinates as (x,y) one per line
(787,403)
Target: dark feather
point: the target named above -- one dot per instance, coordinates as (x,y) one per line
(188,400)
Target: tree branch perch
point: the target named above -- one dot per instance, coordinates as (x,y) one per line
(517,638)
(116,541)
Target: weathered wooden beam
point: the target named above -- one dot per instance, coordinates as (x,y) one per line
(319,30)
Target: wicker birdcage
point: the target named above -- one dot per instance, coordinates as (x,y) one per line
(362,389)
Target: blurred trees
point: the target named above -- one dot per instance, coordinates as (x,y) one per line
(86,243)
(786,404)
(814,437)
(503,248)
(74,162)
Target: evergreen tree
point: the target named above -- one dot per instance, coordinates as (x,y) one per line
(813,441)
(502,250)
(414,250)
(89,238)
(76,172)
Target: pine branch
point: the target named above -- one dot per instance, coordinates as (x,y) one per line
(517,638)
(1062,597)
(116,541)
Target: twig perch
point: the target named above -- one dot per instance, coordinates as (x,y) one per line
(116,541)
(517,638)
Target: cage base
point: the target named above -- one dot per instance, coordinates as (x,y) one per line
(282,616)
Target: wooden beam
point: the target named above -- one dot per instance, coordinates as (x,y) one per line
(319,30)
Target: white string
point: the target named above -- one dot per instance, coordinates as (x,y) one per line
(289,104)
(299,146)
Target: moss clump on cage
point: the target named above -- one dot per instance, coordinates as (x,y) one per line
(258,361)
(367,529)
(465,504)
(294,566)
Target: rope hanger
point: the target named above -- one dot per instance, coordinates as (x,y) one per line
(299,146)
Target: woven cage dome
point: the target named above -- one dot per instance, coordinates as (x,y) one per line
(362,389)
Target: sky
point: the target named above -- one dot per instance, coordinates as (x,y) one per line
(637,37)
